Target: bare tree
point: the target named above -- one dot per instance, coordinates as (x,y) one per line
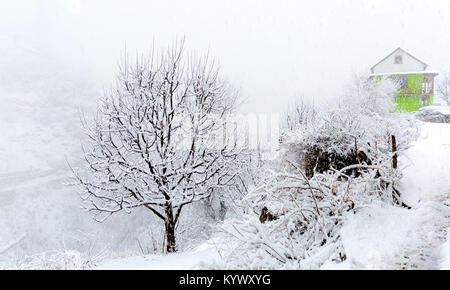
(300,113)
(443,88)
(155,141)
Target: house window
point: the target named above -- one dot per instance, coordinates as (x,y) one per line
(401,81)
(398,59)
(427,85)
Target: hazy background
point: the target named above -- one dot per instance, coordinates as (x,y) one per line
(59,55)
(271,50)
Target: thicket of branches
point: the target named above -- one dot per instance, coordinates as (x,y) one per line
(297,215)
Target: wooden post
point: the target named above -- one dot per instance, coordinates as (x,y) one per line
(395,192)
(394,150)
(357,153)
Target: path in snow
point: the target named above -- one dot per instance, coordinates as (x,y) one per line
(427,186)
(391,237)
(445,251)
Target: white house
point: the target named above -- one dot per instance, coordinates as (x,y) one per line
(398,61)
(416,81)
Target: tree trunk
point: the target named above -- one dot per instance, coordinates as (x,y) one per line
(170,231)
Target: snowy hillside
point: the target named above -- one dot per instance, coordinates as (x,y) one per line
(134,136)
(40,126)
(378,237)
(390,237)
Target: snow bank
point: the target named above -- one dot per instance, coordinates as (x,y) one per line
(393,237)
(388,237)
(435,114)
(445,253)
(427,175)
(205,253)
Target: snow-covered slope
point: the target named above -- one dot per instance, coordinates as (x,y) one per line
(388,237)
(427,176)
(40,131)
(445,253)
(379,237)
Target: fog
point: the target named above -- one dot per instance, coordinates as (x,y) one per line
(272,51)
(59,55)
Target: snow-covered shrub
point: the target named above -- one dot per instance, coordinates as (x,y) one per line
(295,218)
(201,219)
(79,252)
(56,260)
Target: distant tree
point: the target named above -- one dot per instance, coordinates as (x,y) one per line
(299,114)
(153,142)
(443,88)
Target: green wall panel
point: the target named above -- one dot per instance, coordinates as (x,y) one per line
(407,103)
(409,100)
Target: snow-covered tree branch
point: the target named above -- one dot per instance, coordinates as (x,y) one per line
(156,139)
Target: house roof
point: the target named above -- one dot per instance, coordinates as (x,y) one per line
(395,51)
(425,72)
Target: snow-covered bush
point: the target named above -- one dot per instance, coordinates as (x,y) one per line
(295,217)
(201,219)
(57,260)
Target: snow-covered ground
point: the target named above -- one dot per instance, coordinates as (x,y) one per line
(33,201)
(445,253)
(40,130)
(427,177)
(387,237)
(206,253)
(379,237)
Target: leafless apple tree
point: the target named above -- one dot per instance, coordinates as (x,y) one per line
(156,139)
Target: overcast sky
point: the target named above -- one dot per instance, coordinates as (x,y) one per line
(271,50)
